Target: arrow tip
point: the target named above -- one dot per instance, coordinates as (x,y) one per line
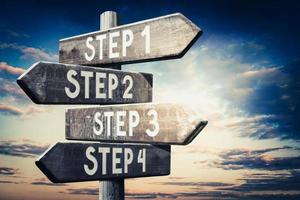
(40,163)
(194,134)
(22,82)
(196,31)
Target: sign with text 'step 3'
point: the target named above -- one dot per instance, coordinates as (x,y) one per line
(159,38)
(73,162)
(145,123)
(53,83)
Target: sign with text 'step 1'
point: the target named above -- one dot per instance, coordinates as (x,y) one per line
(73,162)
(53,83)
(143,123)
(159,38)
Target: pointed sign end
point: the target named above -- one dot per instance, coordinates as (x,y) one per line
(45,171)
(40,163)
(194,134)
(22,81)
(194,29)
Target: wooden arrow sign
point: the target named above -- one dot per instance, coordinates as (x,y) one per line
(159,38)
(53,83)
(74,162)
(143,123)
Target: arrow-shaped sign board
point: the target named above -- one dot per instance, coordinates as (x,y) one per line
(159,38)
(53,83)
(142,123)
(74,162)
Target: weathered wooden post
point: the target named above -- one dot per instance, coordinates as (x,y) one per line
(113,189)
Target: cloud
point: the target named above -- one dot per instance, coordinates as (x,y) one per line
(290,182)
(261,73)
(82,191)
(236,159)
(263,162)
(12,148)
(17,34)
(7,109)
(281,100)
(25,111)
(10,69)
(31,53)
(8,182)
(196,184)
(150,195)
(8,171)
(10,88)
(47,183)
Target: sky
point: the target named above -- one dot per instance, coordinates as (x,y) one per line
(242,75)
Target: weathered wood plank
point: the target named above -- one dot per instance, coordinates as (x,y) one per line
(159,38)
(143,123)
(53,83)
(74,162)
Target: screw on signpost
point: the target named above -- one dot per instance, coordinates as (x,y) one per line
(113,189)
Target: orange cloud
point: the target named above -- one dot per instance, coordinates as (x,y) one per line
(10,109)
(10,69)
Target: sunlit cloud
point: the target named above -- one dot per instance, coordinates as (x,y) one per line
(25,111)
(11,69)
(8,109)
(31,53)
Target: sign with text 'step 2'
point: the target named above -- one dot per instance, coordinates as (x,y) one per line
(73,162)
(159,38)
(52,83)
(144,123)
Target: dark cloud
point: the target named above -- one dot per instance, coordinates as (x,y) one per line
(8,171)
(82,191)
(196,184)
(47,183)
(275,182)
(8,182)
(150,195)
(245,152)
(255,159)
(280,100)
(12,148)
(262,162)
(212,195)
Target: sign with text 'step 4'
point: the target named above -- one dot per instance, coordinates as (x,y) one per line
(73,162)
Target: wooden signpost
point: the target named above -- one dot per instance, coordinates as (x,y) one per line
(74,162)
(53,83)
(143,123)
(159,125)
(159,38)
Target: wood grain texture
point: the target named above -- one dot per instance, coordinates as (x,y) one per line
(45,83)
(177,125)
(113,189)
(170,37)
(64,162)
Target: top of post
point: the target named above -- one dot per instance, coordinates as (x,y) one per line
(108,19)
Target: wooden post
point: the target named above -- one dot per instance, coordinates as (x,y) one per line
(114,189)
